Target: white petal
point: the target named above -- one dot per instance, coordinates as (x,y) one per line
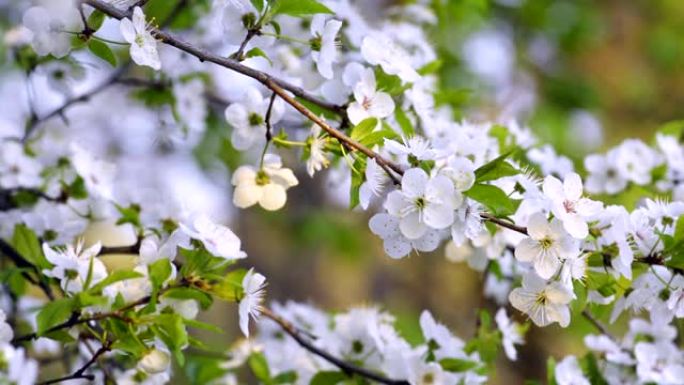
(382,105)
(572,187)
(553,188)
(438,216)
(273,197)
(246,195)
(576,226)
(411,226)
(538,226)
(413,182)
(527,250)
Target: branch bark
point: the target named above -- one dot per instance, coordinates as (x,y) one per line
(346,367)
(278,86)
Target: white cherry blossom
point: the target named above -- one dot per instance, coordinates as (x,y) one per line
(510,332)
(568,372)
(375,182)
(143,44)
(266,186)
(324,44)
(368,101)
(397,245)
(547,246)
(218,240)
(422,203)
(74,265)
(248,118)
(545,303)
(383,51)
(253,285)
(568,205)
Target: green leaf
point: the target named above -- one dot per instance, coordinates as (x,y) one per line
(431,67)
(201,370)
(592,370)
(404,122)
(230,287)
(256,51)
(171,330)
(102,51)
(96,19)
(114,277)
(457,365)
(77,189)
(289,377)
(26,243)
(258,4)
(203,325)
(363,129)
(300,7)
(497,168)
(551,371)
(53,314)
(679,230)
(328,378)
(357,178)
(390,84)
(494,199)
(205,300)
(130,214)
(159,272)
(259,366)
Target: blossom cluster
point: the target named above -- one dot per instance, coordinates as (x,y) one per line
(314,81)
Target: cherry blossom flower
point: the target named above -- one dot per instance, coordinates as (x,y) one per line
(568,372)
(74,266)
(604,175)
(368,102)
(510,332)
(374,184)
(17,169)
(143,44)
(422,203)
(248,118)
(383,51)
(324,44)
(98,175)
(155,361)
(49,25)
(568,205)
(547,246)
(266,186)
(545,303)
(397,245)
(253,285)
(317,159)
(217,239)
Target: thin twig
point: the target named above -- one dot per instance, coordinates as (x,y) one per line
(269,130)
(597,324)
(500,222)
(80,373)
(279,86)
(346,367)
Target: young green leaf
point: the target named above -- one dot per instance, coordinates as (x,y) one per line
(102,51)
(300,7)
(494,199)
(497,168)
(26,243)
(53,314)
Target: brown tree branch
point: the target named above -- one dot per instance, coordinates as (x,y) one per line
(346,367)
(80,373)
(278,86)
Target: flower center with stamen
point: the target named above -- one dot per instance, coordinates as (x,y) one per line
(255,119)
(316,43)
(262,178)
(541,298)
(569,206)
(139,40)
(420,203)
(428,378)
(366,103)
(546,243)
